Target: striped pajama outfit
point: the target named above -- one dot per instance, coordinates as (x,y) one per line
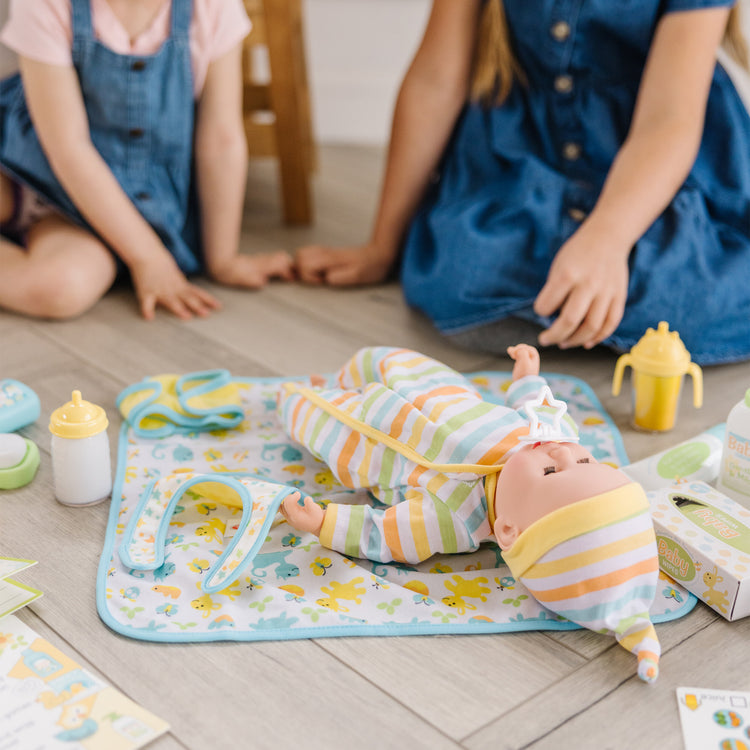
(419,436)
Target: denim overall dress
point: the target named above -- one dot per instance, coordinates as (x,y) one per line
(140,110)
(517,180)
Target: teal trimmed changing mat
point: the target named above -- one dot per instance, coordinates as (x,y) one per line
(196,551)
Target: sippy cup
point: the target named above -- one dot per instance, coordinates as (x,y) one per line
(658,360)
(80,452)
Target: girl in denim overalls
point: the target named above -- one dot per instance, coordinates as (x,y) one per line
(596,182)
(124,159)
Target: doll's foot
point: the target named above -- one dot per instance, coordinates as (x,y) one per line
(648,669)
(526,359)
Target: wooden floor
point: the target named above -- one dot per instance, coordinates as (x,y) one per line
(565,690)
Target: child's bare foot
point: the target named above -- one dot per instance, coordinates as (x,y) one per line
(317,381)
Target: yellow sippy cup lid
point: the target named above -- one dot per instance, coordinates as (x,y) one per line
(660,352)
(78,418)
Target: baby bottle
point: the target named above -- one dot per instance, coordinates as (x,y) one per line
(658,361)
(80,452)
(734,473)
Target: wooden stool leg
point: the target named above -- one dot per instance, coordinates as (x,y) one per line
(290,102)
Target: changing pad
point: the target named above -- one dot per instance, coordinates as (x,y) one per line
(195,550)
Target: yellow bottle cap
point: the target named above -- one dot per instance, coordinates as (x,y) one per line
(660,352)
(78,419)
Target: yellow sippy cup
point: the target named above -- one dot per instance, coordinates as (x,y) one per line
(658,360)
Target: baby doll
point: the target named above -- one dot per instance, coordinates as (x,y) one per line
(450,470)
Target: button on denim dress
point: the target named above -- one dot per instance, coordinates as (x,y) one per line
(140,111)
(516,181)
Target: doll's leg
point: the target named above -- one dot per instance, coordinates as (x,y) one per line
(407,372)
(344,450)
(61,273)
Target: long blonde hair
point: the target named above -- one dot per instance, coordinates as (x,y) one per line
(496,68)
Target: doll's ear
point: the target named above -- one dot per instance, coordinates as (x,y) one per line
(505,533)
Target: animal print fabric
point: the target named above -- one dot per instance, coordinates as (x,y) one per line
(290,586)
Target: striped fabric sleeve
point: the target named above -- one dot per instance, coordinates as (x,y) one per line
(523,390)
(410,531)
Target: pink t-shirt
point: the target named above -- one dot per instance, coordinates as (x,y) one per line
(42,30)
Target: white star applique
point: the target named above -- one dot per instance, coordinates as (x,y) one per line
(540,431)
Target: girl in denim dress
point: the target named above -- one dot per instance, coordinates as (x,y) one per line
(576,166)
(122,146)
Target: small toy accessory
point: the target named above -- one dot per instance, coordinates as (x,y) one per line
(159,405)
(659,361)
(19,460)
(19,405)
(80,452)
(595,563)
(539,411)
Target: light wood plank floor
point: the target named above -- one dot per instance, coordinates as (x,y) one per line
(565,690)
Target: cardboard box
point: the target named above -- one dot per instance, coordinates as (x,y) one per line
(703,538)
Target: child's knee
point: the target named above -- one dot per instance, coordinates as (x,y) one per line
(68,270)
(61,292)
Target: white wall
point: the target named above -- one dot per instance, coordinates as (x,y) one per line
(357,53)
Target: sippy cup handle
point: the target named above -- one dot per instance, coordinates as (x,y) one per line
(623,361)
(696,373)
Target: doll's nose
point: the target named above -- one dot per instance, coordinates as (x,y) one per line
(562,455)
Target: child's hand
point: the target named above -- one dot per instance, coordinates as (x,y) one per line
(303,514)
(158,281)
(526,360)
(254,271)
(342,266)
(587,285)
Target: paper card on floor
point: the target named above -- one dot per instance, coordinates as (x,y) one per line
(13,596)
(49,702)
(714,718)
(11,565)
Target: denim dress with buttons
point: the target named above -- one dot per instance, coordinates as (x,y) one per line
(140,110)
(517,180)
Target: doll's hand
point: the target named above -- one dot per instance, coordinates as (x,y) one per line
(343,266)
(526,359)
(159,282)
(587,285)
(303,514)
(254,271)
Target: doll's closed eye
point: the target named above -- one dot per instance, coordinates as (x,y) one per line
(553,469)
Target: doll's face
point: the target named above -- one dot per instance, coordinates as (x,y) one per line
(544,477)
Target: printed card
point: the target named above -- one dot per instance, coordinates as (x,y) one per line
(14,595)
(714,718)
(49,702)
